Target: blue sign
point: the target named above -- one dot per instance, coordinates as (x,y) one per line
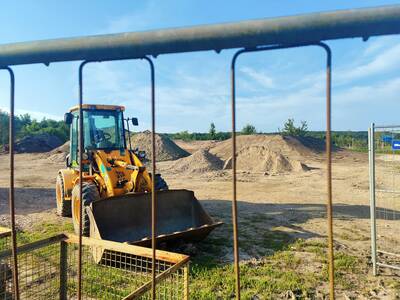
(396,145)
(387,139)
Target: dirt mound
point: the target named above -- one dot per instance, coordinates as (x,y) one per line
(292,147)
(35,143)
(261,159)
(199,162)
(166,149)
(59,154)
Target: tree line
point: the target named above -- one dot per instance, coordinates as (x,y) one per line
(354,140)
(25,125)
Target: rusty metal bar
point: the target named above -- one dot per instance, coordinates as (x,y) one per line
(328,155)
(153,194)
(307,28)
(11,199)
(81,147)
(328,140)
(234,187)
(153,181)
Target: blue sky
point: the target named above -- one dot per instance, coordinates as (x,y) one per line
(193,89)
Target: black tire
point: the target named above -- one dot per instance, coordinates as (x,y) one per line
(161,184)
(90,193)
(63,206)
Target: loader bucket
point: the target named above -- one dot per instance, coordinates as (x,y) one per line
(127,218)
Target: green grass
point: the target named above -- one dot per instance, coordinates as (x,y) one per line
(271,276)
(268,277)
(282,265)
(42,231)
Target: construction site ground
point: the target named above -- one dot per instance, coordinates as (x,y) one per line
(282,225)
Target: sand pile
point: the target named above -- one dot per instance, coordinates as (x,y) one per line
(166,149)
(59,154)
(199,162)
(262,159)
(293,147)
(43,142)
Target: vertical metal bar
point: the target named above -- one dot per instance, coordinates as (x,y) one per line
(81,147)
(11,198)
(153,194)
(371,155)
(186,282)
(328,158)
(63,270)
(328,149)
(234,187)
(153,182)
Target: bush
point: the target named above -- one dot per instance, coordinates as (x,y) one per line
(248,129)
(290,129)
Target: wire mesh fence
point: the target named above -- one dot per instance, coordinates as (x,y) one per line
(384,148)
(47,269)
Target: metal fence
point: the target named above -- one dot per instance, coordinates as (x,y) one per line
(384,178)
(292,31)
(47,269)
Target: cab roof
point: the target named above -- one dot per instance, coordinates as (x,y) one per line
(98,107)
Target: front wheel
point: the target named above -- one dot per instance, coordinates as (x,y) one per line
(90,193)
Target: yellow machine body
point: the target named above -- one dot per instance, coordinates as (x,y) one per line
(117,186)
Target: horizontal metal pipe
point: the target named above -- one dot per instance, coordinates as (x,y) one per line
(299,29)
(389,266)
(387,126)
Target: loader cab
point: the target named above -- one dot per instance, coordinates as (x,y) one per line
(103,129)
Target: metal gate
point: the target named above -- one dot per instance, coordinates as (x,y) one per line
(384,180)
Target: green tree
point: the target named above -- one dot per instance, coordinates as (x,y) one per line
(212,131)
(248,129)
(289,128)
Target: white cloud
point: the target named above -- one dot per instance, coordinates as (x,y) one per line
(377,44)
(261,78)
(382,91)
(385,59)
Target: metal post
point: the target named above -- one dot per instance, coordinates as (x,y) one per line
(11,198)
(371,155)
(186,282)
(153,182)
(153,194)
(81,147)
(63,270)
(328,158)
(234,187)
(328,149)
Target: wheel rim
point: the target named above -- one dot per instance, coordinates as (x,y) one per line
(58,194)
(76,210)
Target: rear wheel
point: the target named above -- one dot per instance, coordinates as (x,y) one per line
(63,206)
(90,193)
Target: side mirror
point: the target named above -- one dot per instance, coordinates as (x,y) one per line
(68,117)
(135,122)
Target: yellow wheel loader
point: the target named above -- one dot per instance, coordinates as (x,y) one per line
(116,192)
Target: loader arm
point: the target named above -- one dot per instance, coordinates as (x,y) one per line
(122,172)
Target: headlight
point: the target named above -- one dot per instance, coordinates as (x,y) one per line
(85,156)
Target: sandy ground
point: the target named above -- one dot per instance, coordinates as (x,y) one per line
(293,203)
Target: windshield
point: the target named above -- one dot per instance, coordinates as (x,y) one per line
(103,129)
